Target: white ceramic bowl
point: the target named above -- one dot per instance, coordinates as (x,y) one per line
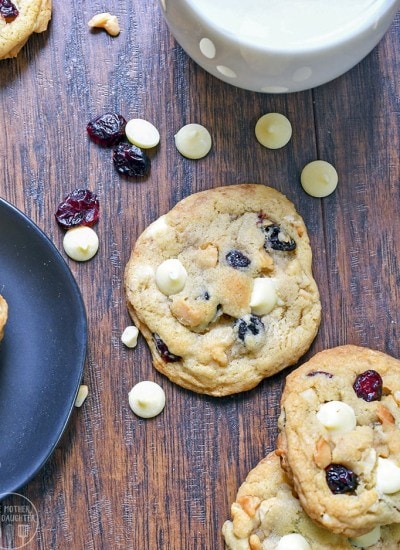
(235,50)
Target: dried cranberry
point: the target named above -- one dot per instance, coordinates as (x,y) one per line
(80,207)
(261,217)
(315,372)
(249,324)
(164,351)
(129,160)
(368,385)
(273,239)
(107,129)
(8,10)
(237,259)
(340,479)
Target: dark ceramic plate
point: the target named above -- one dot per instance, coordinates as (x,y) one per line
(43,351)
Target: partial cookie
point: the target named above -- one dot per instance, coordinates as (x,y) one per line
(340,439)
(29,16)
(221,287)
(266,515)
(3,315)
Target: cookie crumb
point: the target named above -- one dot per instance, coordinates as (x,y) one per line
(107,22)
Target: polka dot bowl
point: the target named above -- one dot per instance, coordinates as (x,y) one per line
(253,65)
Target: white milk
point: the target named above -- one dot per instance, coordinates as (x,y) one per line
(286,23)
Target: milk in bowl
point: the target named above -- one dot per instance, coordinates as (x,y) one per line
(278,45)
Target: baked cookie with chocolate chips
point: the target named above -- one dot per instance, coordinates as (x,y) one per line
(19,19)
(221,287)
(340,439)
(3,315)
(266,515)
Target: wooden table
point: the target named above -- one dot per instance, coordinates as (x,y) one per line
(116,481)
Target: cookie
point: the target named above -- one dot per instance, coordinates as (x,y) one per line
(221,287)
(21,19)
(266,515)
(340,440)
(3,315)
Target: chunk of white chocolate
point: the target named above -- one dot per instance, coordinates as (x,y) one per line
(369,539)
(82,394)
(337,417)
(81,243)
(142,133)
(129,336)
(158,227)
(319,178)
(171,276)
(193,141)
(293,541)
(387,476)
(263,297)
(273,130)
(147,399)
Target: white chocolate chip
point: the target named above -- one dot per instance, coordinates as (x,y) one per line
(107,22)
(369,461)
(273,130)
(193,141)
(308,395)
(369,539)
(263,297)
(142,133)
(294,541)
(146,399)
(82,394)
(171,276)
(157,228)
(81,243)
(387,476)
(129,336)
(319,178)
(337,417)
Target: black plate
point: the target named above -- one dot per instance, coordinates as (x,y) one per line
(43,351)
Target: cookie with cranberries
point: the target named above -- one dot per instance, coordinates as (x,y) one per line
(3,315)
(222,289)
(266,514)
(339,438)
(19,19)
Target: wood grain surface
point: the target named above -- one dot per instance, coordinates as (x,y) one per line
(116,481)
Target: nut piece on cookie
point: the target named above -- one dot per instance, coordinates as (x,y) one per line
(339,439)
(228,288)
(107,22)
(3,315)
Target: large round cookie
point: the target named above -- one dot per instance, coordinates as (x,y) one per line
(340,439)
(33,16)
(207,337)
(3,315)
(266,515)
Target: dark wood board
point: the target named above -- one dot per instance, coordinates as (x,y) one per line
(115,481)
